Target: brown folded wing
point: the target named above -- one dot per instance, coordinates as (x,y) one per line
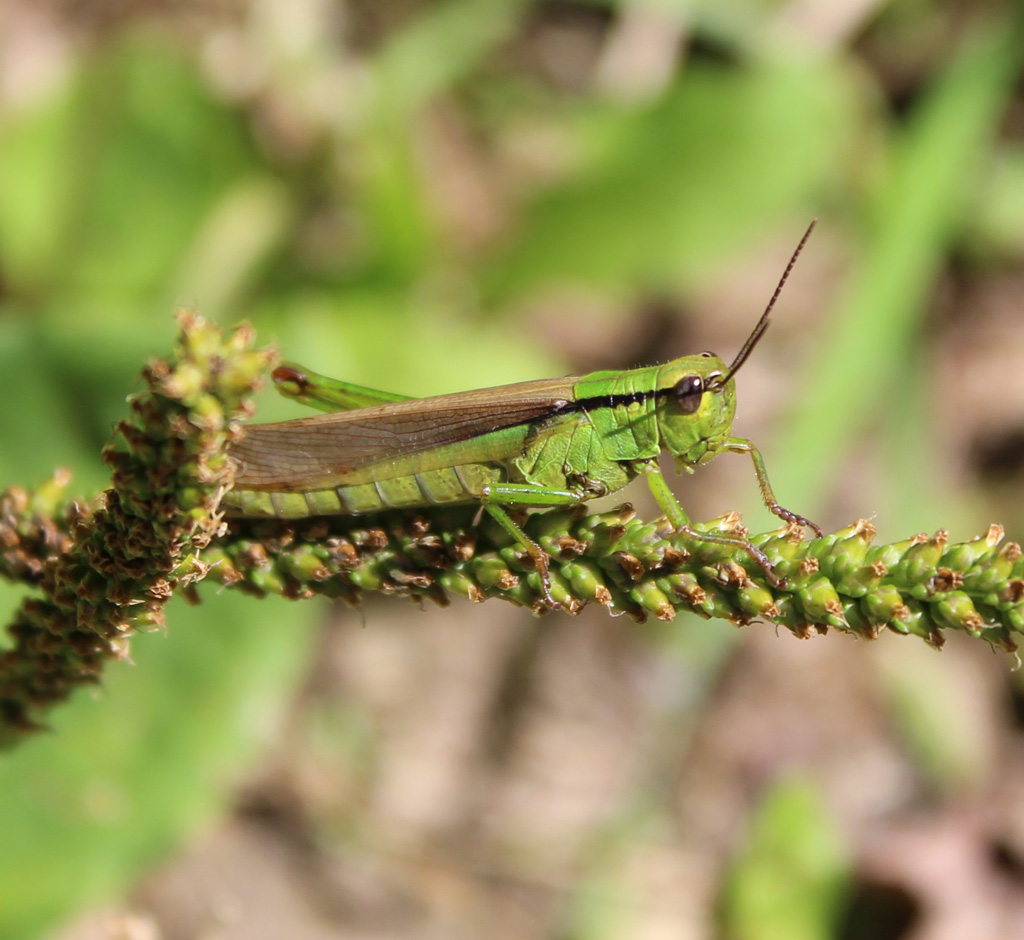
(324,450)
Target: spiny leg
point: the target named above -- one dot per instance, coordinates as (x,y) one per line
(740,445)
(537,554)
(681,522)
(749,547)
(499,495)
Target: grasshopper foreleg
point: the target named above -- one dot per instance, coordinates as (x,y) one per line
(739,445)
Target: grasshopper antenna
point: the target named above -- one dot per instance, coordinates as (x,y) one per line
(755,336)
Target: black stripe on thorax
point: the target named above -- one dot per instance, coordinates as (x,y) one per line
(590,404)
(610,401)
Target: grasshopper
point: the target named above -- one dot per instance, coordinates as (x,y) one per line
(550,442)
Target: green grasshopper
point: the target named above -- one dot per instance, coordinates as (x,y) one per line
(552,442)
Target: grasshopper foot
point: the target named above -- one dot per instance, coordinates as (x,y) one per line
(776,582)
(786,516)
(540,564)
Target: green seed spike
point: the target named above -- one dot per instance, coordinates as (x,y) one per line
(634,567)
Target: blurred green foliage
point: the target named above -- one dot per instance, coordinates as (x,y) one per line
(306,187)
(788,882)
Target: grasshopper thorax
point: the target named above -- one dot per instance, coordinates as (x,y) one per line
(696,402)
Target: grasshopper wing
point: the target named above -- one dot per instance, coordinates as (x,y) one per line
(350,446)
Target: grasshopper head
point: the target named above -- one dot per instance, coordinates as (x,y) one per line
(697,394)
(696,404)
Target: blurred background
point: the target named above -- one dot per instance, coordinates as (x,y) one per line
(426,197)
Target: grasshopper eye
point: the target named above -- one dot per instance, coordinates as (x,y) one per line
(688,391)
